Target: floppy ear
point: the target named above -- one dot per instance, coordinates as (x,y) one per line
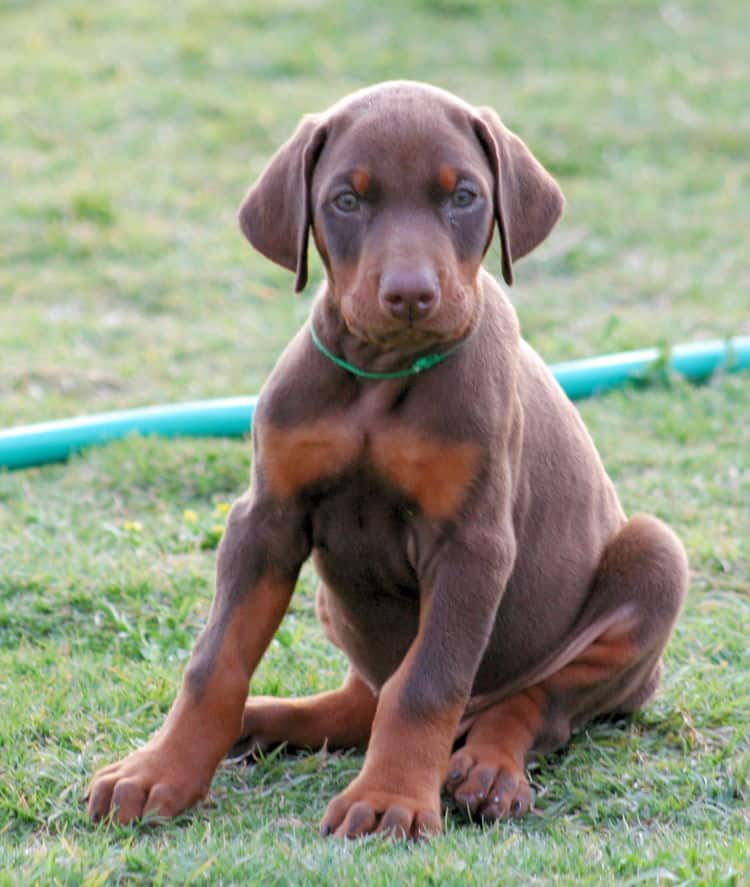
(276,213)
(528,201)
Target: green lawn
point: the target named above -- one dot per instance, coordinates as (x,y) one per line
(128,134)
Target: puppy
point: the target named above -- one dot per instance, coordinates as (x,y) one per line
(476,566)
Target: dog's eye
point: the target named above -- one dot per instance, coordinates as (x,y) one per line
(347,202)
(462,197)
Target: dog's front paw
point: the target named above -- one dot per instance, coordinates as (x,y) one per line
(361,810)
(152,780)
(486,785)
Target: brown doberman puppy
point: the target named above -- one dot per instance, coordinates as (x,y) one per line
(477,567)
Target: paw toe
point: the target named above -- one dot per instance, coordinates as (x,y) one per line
(100,796)
(360,820)
(396,822)
(459,765)
(165,800)
(426,823)
(474,789)
(334,815)
(510,796)
(128,799)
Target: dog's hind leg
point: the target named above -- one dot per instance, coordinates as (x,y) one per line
(339,719)
(643,575)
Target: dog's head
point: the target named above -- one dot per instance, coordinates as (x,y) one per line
(402,184)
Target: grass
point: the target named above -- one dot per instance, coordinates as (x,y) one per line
(129,136)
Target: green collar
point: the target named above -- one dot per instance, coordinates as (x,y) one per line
(419,365)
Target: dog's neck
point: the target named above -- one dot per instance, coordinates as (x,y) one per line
(336,337)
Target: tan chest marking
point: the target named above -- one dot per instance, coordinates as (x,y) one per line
(435,474)
(293,458)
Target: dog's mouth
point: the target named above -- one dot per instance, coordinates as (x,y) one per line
(407,337)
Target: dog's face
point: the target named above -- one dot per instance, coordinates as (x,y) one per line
(402,215)
(402,184)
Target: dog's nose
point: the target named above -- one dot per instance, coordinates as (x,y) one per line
(409,295)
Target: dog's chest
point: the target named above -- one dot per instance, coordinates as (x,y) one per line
(431,474)
(363,538)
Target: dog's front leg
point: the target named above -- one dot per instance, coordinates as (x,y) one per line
(420,706)
(264,545)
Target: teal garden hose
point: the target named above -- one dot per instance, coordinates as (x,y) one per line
(45,442)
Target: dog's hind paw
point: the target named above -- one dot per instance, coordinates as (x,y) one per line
(486,785)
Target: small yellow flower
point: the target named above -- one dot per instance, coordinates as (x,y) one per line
(132,526)
(189,516)
(222,507)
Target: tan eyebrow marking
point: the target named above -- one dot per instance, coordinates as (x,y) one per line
(361,180)
(447,177)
